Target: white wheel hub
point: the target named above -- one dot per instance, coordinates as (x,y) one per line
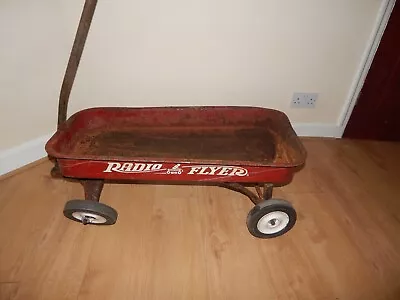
(273,222)
(89,217)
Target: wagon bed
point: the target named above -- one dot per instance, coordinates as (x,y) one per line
(230,135)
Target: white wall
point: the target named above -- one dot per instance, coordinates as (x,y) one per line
(176,52)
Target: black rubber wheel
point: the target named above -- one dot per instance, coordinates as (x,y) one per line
(271,218)
(90,212)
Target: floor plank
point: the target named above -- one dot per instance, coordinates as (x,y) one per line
(190,242)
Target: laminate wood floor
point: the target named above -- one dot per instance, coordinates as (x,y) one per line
(190,242)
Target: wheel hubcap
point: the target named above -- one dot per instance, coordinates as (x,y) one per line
(273,222)
(88,218)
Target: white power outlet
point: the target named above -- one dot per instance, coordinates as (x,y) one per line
(304,100)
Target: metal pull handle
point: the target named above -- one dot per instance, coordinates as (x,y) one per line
(74,59)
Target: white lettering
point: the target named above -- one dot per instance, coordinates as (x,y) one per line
(224,171)
(203,171)
(213,170)
(193,170)
(156,167)
(129,167)
(126,167)
(112,167)
(132,167)
(148,167)
(139,167)
(217,170)
(239,172)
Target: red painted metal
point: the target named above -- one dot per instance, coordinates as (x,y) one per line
(166,171)
(205,144)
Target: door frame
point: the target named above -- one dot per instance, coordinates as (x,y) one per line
(382,19)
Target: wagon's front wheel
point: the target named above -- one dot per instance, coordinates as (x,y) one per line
(271,218)
(90,212)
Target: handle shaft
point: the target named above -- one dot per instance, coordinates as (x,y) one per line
(74,59)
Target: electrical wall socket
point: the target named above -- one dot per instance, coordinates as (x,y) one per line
(304,100)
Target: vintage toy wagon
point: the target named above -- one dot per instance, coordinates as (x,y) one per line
(233,147)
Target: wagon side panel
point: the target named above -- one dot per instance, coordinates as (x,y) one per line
(159,171)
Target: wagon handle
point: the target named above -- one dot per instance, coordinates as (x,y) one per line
(74,59)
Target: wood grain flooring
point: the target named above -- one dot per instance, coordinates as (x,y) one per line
(190,242)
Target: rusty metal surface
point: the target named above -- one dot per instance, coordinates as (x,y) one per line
(258,190)
(55,171)
(93,189)
(74,59)
(237,187)
(242,144)
(267,191)
(235,135)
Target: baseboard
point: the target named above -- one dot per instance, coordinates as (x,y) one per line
(318,130)
(19,156)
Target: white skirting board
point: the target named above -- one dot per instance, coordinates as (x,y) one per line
(21,155)
(16,157)
(318,130)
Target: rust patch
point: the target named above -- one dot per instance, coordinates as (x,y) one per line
(219,143)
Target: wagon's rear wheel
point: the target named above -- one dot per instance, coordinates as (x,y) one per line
(90,212)
(271,218)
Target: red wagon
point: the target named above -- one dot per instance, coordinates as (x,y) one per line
(233,147)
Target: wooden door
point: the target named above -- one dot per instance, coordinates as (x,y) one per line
(376,115)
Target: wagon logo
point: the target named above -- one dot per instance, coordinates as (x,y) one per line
(175,170)
(218,170)
(132,167)
(178,169)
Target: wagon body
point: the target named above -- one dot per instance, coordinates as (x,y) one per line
(213,144)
